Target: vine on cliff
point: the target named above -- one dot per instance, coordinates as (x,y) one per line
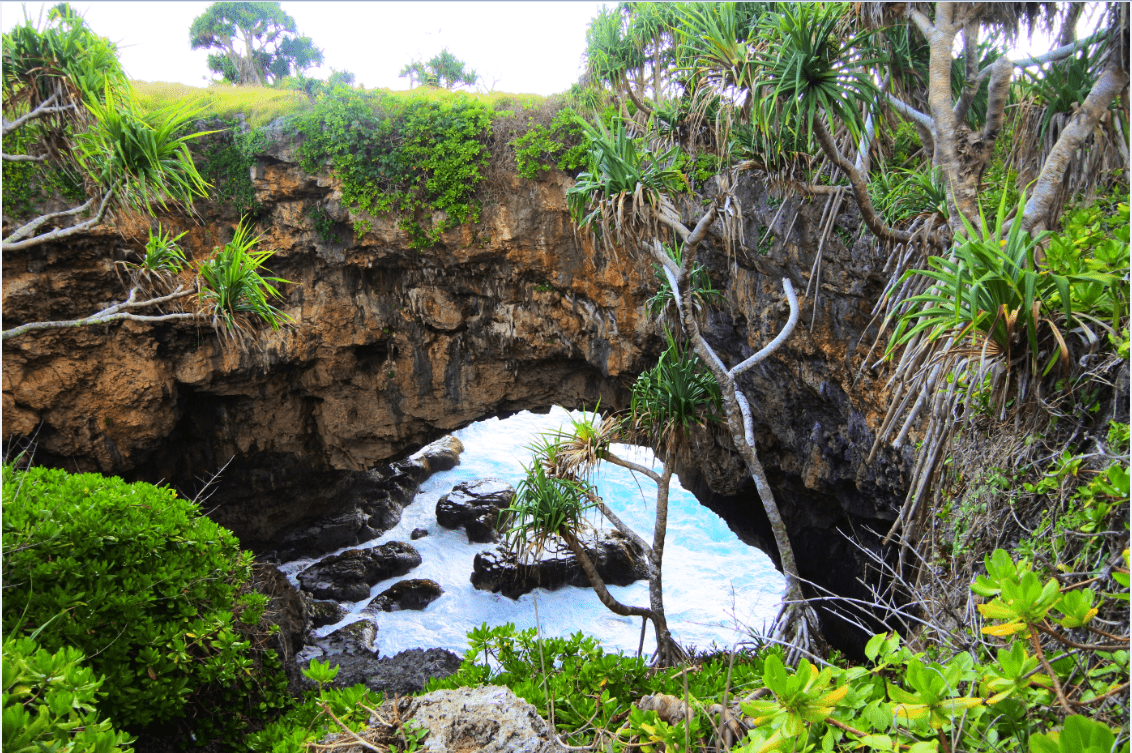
(416,156)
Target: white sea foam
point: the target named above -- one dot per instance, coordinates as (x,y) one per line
(715,586)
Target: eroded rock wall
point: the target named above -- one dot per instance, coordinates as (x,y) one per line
(393,347)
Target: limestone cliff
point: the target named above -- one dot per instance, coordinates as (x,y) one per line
(394,347)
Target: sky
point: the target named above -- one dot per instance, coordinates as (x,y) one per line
(517,47)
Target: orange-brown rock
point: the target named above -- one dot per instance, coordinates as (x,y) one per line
(394,347)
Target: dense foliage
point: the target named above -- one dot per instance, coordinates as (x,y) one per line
(413,156)
(49,702)
(152,592)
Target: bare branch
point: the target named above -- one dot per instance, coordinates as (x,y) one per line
(56,234)
(997,93)
(1058,54)
(1073,136)
(776,343)
(24,158)
(115,312)
(44,109)
(971,63)
(912,113)
(869,214)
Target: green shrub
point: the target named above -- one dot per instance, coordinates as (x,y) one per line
(413,156)
(227,160)
(138,580)
(561,145)
(308,722)
(49,702)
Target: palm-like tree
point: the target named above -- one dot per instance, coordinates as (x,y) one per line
(669,401)
(68,104)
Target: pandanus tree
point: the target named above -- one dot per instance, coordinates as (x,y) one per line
(669,402)
(69,107)
(628,199)
(817,98)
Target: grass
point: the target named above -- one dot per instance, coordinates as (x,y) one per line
(262,105)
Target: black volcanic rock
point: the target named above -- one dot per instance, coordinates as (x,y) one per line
(349,575)
(406,594)
(618,560)
(475,506)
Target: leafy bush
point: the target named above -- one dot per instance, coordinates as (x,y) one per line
(410,155)
(992,290)
(49,702)
(590,689)
(309,721)
(227,161)
(993,697)
(138,580)
(561,145)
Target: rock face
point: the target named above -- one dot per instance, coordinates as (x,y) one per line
(370,503)
(395,347)
(351,650)
(349,575)
(406,594)
(618,560)
(476,506)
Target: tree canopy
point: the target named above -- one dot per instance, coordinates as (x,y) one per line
(257,43)
(443,69)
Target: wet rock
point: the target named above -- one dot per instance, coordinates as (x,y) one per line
(475,505)
(404,673)
(406,594)
(349,575)
(441,455)
(418,533)
(348,528)
(356,639)
(322,612)
(618,560)
(286,608)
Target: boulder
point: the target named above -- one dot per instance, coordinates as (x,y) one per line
(418,533)
(348,528)
(441,455)
(404,673)
(488,719)
(356,639)
(322,612)
(618,560)
(348,576)
(406,594)
(475,505)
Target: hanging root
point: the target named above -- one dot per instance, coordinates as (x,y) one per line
(796,627)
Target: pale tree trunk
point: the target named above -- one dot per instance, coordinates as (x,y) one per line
(1111,83)
(668,652)
(961,194)
(794,624)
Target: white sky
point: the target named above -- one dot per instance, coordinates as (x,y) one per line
(518,47)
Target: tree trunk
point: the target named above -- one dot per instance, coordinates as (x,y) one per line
(1112,82)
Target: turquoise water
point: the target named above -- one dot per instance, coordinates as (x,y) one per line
(716,588)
